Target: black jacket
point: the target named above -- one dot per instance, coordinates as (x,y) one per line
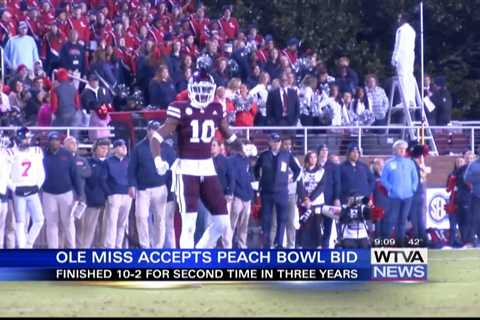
(224,173)
(242,177)
(332,186)
(272,173)
(355,179)
(72,57)
(91,101)
(275,108)
(96,196)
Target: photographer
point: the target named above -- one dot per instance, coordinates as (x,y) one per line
(353,223)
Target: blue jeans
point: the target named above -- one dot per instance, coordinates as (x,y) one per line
(281,208)
(396,216)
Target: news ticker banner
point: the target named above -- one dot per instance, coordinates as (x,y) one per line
(380,264)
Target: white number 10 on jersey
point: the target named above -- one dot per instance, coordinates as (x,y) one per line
(205,134)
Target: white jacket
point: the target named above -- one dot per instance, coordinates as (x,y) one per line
(403,56)
(5,164)
(26,167)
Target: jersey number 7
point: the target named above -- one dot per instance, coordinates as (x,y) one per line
(26,165)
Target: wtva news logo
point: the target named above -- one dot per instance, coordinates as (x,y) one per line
(399,264)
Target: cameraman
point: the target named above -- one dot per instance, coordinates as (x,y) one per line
(353,223)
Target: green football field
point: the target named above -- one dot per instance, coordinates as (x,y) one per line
(453,289)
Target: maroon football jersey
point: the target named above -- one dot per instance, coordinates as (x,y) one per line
(196,129)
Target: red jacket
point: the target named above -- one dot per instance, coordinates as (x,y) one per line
(230,27)
(52,43)
(245,118)
(82,27)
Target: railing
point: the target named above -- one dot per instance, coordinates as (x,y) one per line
(371,140)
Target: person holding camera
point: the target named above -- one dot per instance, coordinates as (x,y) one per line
(353,223)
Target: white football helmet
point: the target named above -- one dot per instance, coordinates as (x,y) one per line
(201,89)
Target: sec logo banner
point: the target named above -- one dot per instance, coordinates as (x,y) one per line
(436,216)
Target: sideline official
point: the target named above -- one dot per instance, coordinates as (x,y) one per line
(271,170)
(61,180)
(115,183)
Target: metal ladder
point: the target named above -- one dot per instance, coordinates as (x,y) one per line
(409,112)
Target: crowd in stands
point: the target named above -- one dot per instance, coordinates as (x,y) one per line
(151,47)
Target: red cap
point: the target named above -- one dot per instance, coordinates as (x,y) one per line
(62,74)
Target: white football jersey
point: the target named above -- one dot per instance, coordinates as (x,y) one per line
(5,164)
(26,167)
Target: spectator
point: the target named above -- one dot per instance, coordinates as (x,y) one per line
(161,89)
(272,67)
(95,195)
(271,169)
(379,199)
(220,75)
(93,96)
(399,177)
(45,114)
(4,100)
(377,100)
(52,43)
(442,100)
(472,177)
(254,76)
(463,201)
(348,117)
(147,68)
(346,78)
(24,75)
(32,107)
(292,217)
(17,96)
(182,81)
(7,30)
(175,61)
(102,67)
(21,49)
(149,189)
(361,110)
(227,104)
(355,176)
(260,93)
(62,179)
(228,23)
(65,101)
(306,96)
(72,54)
(242,198)
(283,105)
(334,116)
(245,108)
(324,79)
(417,212)
(331,189)
(454,216)
(428,93)
(115,184)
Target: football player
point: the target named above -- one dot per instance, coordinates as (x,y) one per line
(27,175)
(4,172)
(193,173)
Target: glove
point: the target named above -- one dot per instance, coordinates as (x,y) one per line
(162,166)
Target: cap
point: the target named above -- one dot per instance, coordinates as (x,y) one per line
(292,42)
(268,38)
(440,81)
(352,147)
(21,67)
(275,137)
(92,77)
(119,143)
(153,125)
(53,135)
(22,25)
